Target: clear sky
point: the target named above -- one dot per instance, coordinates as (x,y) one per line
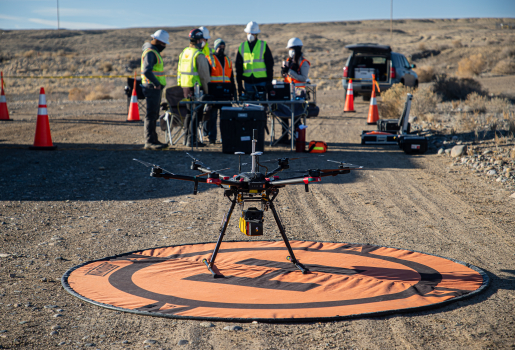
(96,14)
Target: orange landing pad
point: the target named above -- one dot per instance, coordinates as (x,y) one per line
(258,283)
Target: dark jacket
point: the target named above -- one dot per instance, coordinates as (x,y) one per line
(148,63)
(269,62)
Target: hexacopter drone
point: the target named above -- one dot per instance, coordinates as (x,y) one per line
(253,186)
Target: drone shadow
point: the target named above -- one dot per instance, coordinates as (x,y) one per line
(87,172)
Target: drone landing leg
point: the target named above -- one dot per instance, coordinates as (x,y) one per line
(211,261)
(292,257)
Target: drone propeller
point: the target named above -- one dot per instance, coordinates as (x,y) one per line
(345,164)
(279,159)
(214,171)
(195,159)
(150,165)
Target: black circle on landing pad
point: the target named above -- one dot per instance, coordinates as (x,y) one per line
(346,280)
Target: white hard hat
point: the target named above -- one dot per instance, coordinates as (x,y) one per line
(205,31)
(252,28)
(162,36)
(294,42)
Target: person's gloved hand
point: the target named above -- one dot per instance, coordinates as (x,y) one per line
(284,70)
(164,106)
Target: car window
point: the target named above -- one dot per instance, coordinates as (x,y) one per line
(405,61)
(396,61)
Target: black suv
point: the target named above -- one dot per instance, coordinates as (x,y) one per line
(389,68)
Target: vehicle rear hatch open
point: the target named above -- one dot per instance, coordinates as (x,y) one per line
(368,59)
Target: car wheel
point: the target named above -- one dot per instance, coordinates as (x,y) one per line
(366,98)
(416,84)
(402,82)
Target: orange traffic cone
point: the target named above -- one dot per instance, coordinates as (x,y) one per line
(134,109)
(43,139)
(349,100)
(4,112)
(373,113)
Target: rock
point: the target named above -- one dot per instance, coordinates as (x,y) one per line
(43,279)
(513,195)
(232,328)
(54,333)
(512,154)
(491,172)
(57,315)
(183,342)
(61,343)
(207,324)
(487,151)
(499,179)
(150,341)
(125,342)
(55,327)
(448,152)
(458,150)
(50,306)
(441,151)
(455,138)
(90,345)
(4,255)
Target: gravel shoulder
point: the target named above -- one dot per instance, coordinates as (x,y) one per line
(89,199)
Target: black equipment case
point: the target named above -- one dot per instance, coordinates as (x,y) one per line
(391,125)
(375,137)
(236,125)
(413,143)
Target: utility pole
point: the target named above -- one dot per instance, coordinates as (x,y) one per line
(391,21)
(57,14)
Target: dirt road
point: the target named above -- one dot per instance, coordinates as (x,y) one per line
(88,200)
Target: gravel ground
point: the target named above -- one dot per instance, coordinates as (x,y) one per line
(89,199)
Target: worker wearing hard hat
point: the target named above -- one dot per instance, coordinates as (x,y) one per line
(206,50)
(296,68)
(153,82)
(254,61)
(221,72)
(193,68)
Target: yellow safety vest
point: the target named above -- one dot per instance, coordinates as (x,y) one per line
(157,70)
(208,53)
(187,72)
(253,62)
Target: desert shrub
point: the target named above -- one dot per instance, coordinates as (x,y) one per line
(498,105)
(457,44)
(421,46)
(506,66)
(476,102)
(76,94)
(450,89)
(425,73)
(59,53)
(470,66)
(393,101)
(425,101)
(29,53)
(100,92)
(508,52)
(106,67)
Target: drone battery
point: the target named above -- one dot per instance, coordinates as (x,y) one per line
(251,222)
(413,144)
(236,125)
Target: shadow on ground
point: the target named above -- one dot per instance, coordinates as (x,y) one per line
(85,172)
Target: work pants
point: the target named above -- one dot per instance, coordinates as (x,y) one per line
(153,97)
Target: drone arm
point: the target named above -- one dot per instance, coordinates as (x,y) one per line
(295,180)
(194,179)
(335,172)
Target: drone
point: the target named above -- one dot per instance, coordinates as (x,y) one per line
(254,187)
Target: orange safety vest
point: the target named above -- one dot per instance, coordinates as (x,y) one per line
(220,74)
(297,83)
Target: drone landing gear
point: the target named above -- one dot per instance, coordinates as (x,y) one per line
(291,257)
(210,263)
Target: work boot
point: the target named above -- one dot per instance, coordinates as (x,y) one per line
(154,146)
(199,144)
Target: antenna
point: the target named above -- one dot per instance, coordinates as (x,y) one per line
(239,160)
(254,141)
